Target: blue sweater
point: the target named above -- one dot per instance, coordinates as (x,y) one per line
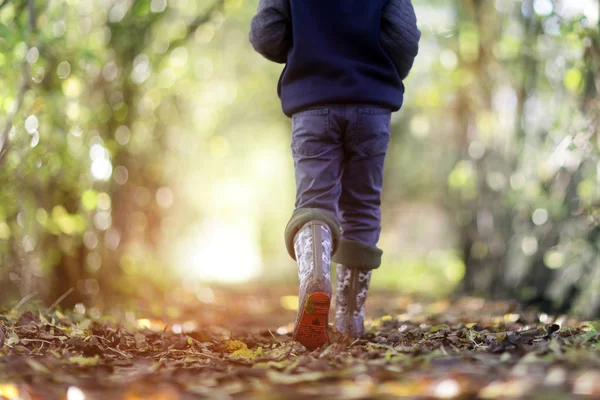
(338,51)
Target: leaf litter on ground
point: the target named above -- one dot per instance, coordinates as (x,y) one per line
(464,349)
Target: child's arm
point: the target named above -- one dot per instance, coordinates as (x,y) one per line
(271,30)
(400,35)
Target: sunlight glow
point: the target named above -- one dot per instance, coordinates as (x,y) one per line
(101,167)
(589,8)
(447,389)
(290,302)
(282,330)
(144,323)
(543,7)
(205,295)
(221,251)
(74,393)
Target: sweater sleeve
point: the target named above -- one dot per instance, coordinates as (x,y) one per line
(399,34)
(271,30)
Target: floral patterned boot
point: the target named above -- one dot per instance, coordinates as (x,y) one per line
(313,246)
(351,294)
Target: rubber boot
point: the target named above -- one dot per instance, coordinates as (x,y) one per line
(313,246)
(351,295)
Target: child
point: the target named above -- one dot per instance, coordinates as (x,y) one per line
(345,63)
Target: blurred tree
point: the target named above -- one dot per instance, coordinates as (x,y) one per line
(523,188)
(81,94)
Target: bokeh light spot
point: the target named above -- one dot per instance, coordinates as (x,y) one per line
(74,393)
(554,259)
(101,169)
(158,6)
(543,7)
(164,197)
(31,124)
(121,175)
(540,216)
(63,70)
(529,245)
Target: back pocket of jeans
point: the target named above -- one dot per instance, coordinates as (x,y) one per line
(373,130)
(310,132)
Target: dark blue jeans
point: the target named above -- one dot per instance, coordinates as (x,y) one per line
(339,152)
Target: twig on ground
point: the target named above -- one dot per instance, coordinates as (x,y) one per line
(61,298)
(24,300)
(120,352)
(35,340)
(277,340)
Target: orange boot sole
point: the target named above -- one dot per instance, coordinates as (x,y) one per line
(312,328)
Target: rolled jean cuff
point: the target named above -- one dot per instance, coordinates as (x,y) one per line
(303,216)
(352,254)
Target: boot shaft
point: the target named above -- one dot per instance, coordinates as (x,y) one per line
(351,295)
(313,246)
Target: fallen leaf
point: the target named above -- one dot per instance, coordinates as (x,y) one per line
(85,361)
(438,328)
(12,339)
(230,346)
(308,307)
(9,391)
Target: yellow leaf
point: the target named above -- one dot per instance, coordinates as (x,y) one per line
(308,307)
(85,361)
(9,391)
(239,349)
(247,353)
(438,328)
(144,323)
(231,346)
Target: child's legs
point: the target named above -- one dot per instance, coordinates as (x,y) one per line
(366,144)
(318,154)
(361,200)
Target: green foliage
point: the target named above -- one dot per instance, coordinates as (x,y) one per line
(526,169)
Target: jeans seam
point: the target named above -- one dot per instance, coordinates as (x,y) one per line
(311,111)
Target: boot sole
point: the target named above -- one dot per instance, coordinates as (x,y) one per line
(312,328)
